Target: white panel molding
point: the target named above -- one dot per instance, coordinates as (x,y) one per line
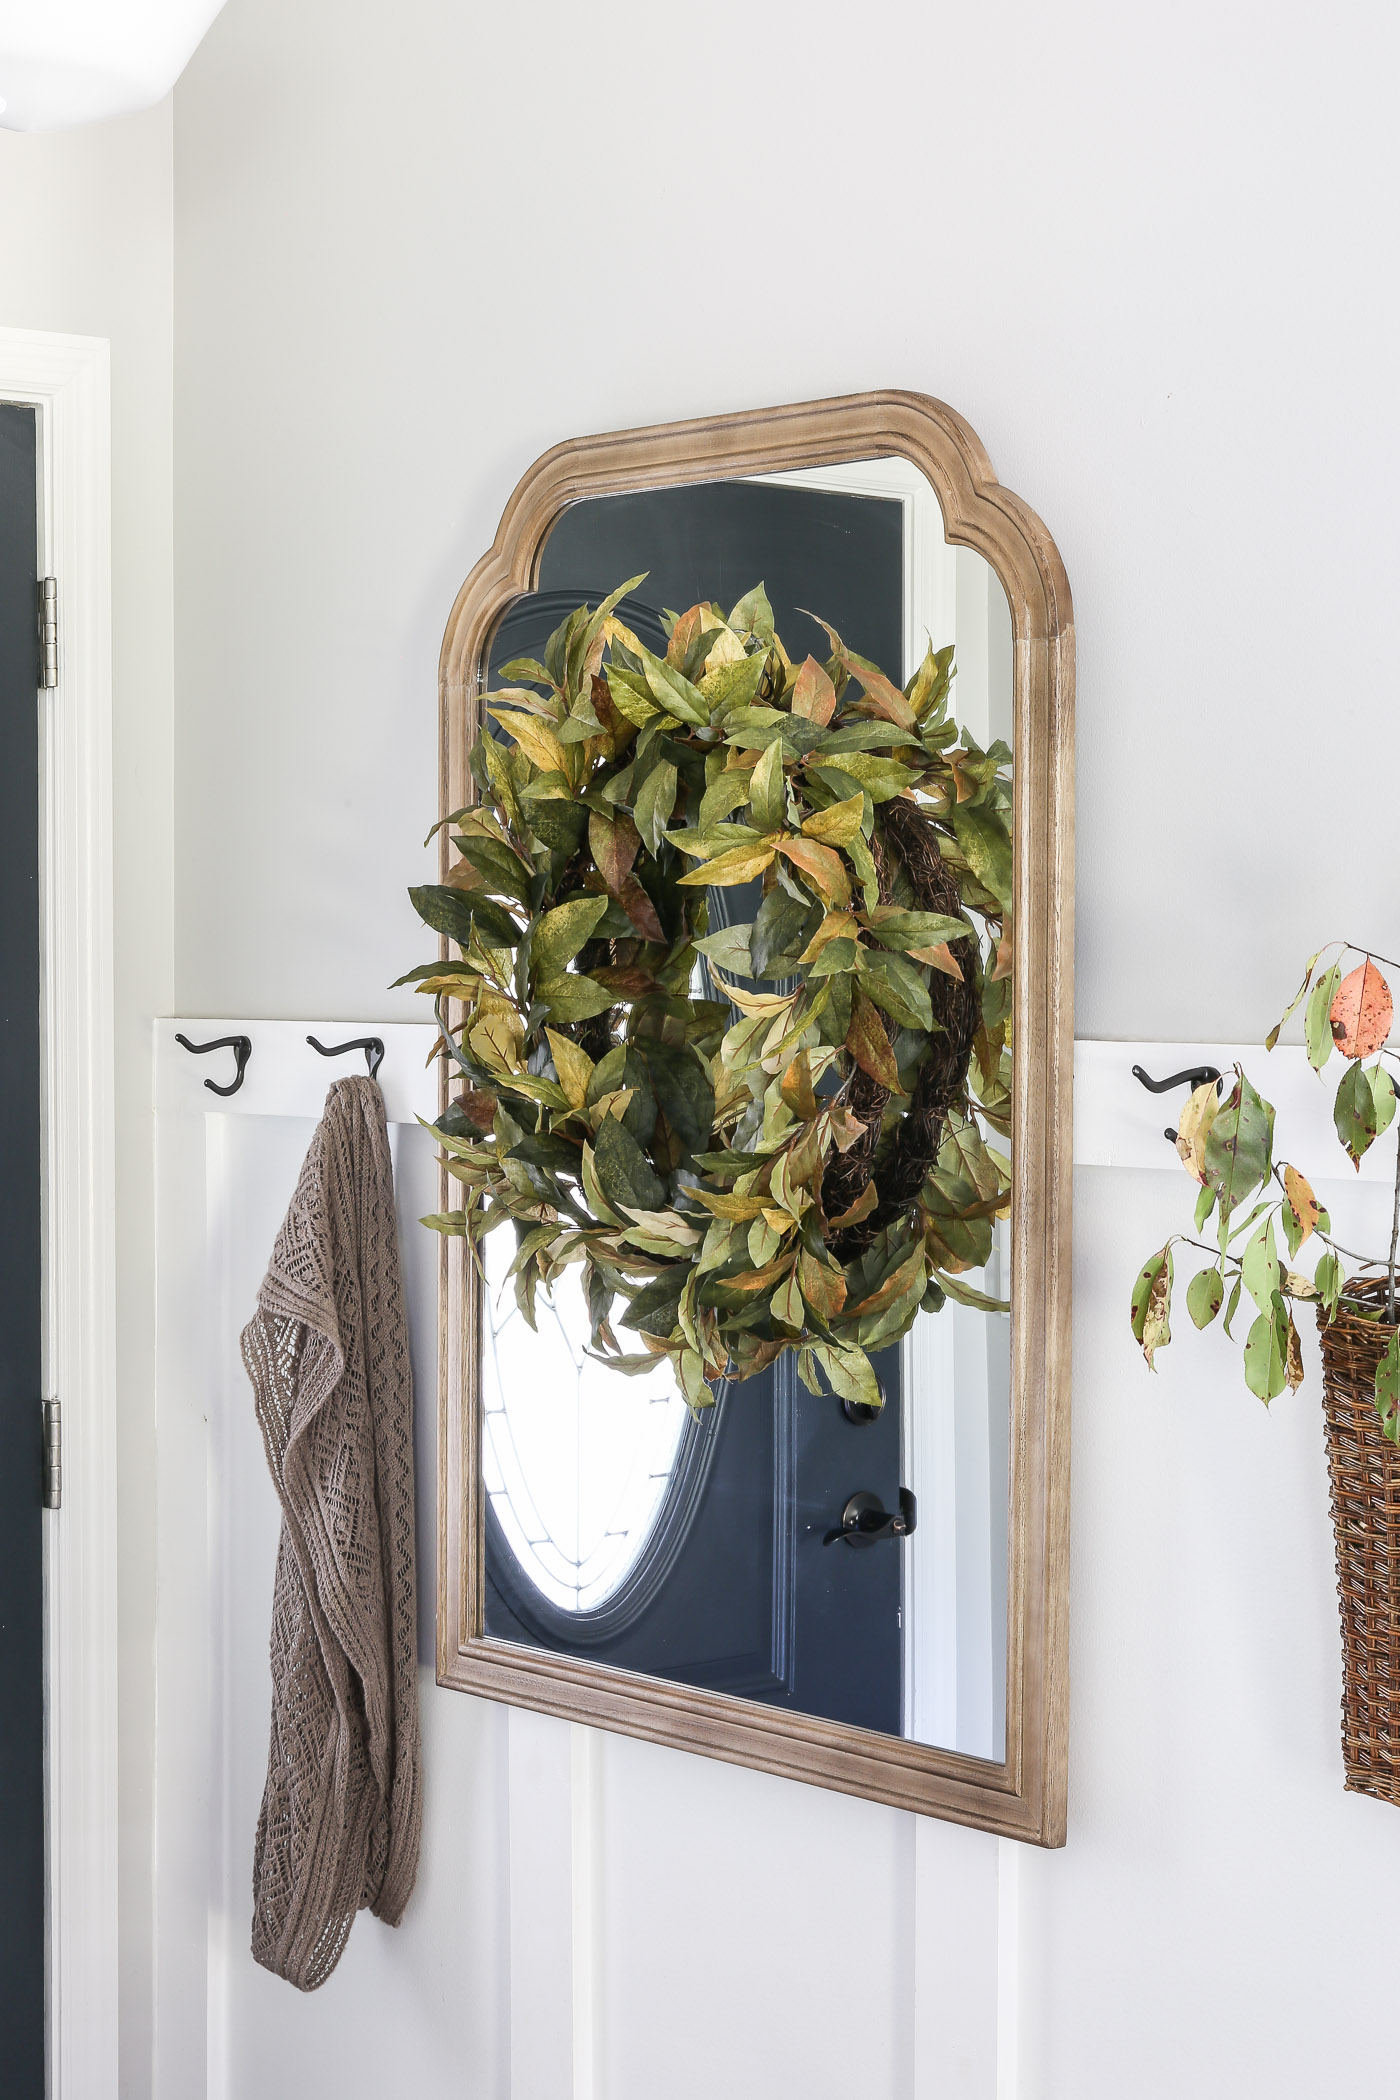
(1118,1123)
(965,1948)
(66,379)
(554,1905)
(199,1874)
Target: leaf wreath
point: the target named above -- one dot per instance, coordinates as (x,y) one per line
(759,1137)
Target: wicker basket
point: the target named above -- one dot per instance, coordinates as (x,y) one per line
(1364,1470)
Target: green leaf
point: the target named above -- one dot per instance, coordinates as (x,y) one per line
(903,930)
(1273,1035)
(465,971)
(893,983)
(850,1373)
(1205,1294)
(499,868)
(558,824)
(729,948)
(525,670)
(786,1304)
(574,998)
(674,692)
(986,845)
(1233,1307)
(683,1089)
(1354,1113)
(881,778)
(1317,1025)
(590,634)
(733,685)
(655,802)
(1237,1150)
(778,930)
(624,1172)
(722,797)
(560,934)
(1383,1087)
(1328,1278)
(768,790)
(754,615)
(963,1293)
(654,1310)
(1205,1203)
(1259,1266)
(1266,1354)
(1151,1304)
(454,912)
(1388,1390)
(836,956)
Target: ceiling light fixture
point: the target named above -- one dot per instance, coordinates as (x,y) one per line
(67,62)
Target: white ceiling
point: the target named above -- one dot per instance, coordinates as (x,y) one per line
(65,62)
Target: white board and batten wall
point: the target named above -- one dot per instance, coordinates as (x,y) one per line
(600,1919)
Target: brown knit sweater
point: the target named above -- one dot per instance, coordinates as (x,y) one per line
(327,1352)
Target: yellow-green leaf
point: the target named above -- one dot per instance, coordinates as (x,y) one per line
(768,789)
(560,934)
(838,825)
(574,1066)
(740,864)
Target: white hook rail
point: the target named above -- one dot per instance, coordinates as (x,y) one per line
(284,1075)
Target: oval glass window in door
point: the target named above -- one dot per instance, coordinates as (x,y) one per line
(576,1460)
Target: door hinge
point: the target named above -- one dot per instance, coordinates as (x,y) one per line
(48,632)
(53,1455)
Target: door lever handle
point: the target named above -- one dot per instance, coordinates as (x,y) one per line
(865,1520)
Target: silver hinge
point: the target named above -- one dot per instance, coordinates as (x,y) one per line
(48,634)
(53,1455)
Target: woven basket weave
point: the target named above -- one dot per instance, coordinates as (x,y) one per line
(1365,1489)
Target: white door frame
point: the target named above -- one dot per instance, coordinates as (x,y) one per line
(66,378)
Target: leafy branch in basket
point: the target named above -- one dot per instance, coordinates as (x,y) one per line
(1228,1149)
(757,1137)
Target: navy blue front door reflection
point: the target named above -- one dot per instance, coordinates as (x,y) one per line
(736,1591)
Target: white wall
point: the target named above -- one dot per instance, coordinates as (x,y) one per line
(1145,251)
(86,248)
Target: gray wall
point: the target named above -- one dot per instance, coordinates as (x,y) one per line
(1138,249)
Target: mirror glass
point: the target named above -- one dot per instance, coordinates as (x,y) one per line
(711,1547)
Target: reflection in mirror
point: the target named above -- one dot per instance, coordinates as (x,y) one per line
(720,1549)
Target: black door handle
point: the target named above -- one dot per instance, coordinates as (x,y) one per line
(865,1520)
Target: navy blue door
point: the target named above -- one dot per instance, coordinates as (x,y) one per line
(21,1579)
(737,1591)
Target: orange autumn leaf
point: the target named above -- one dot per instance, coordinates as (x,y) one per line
(614,843)
(868,1043)
(814,695)
(1362,1012)
(939,957)
(826,868)
(1301,1201)
(640,909)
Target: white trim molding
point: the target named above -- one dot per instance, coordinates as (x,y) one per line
(66,379)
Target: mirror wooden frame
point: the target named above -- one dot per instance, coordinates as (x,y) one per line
(1025,1795)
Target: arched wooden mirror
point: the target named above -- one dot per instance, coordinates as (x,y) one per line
(726,1581)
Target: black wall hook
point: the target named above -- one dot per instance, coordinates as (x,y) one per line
(240,1045)
(372,1045)
(1197,1076)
